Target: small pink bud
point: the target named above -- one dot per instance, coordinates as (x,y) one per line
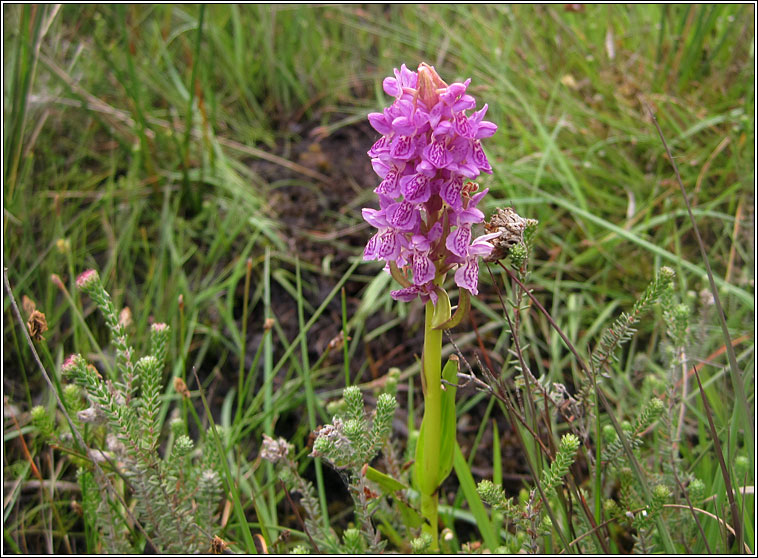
(160,326)
(87,279)
(125,317)
(428,83)
(57,281)
(71,363)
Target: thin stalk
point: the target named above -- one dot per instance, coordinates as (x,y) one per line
(268,374)
(183,349)
(598,458)
(243,339)
(346,355)
(665,536)
(738,382)
(192,197)
(736,517)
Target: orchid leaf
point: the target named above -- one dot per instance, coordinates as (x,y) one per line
(441,309)
(422,483)
(464,305)
(448,427)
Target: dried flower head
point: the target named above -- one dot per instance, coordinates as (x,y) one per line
(510,227)
(275,450)
(92,415)
(37,325)
(180,386)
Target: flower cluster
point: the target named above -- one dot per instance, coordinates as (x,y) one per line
(429,150)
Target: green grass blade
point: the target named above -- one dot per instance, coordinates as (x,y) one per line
(475,504)
(239,511)
(310,395)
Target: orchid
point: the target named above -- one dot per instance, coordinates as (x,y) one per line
(429,150)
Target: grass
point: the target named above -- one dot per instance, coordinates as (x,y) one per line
(159,144)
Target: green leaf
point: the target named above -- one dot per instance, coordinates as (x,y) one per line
(441,309)
(387,483)
(468,486)
(464,305)
(449,423)
(497,462)
(411,518)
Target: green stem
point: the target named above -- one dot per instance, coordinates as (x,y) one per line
(429,466)
(429,511)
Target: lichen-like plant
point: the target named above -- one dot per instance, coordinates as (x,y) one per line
(174,497)
(349,443)
(429,151)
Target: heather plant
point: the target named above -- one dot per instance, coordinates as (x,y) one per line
(171,492)
(643,493)
(349,444)
(534,516)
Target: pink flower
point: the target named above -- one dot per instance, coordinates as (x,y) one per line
(72,363)
(87,279)
(428,149)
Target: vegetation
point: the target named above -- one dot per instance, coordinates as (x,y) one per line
(210,162)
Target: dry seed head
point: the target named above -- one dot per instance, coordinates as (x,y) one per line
(511,227)
(338,341)
(77,508)
(181,387)
(91,415)
(706,298)
(274,450)
(37,325)
(218,545)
